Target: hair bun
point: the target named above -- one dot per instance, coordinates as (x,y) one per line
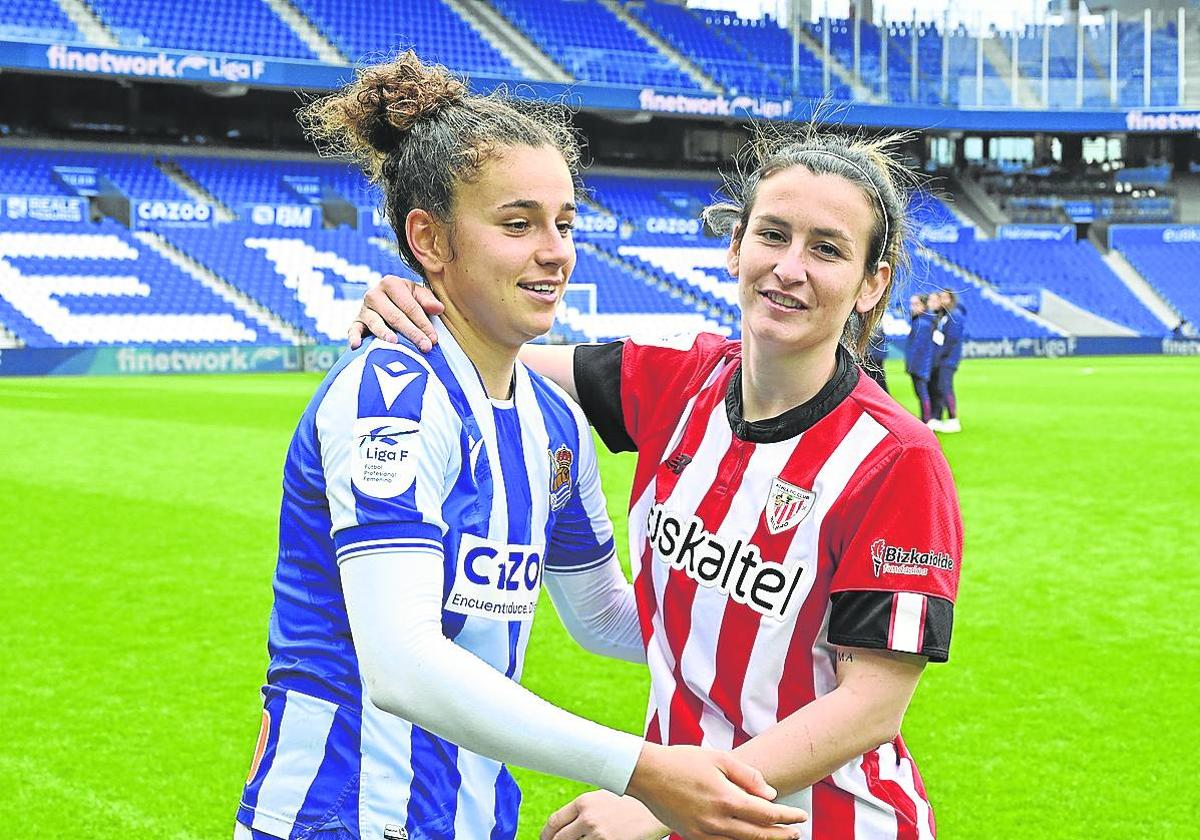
(396,96)
(370,117)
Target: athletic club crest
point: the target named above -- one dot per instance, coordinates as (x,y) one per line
(787,505)
(560,476)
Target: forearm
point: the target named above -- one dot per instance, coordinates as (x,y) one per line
(599,610)
(411,670)
(857,716)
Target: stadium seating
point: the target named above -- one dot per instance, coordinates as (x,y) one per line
(32,172)
(1171,270)
(770,45)
(1073,271)
(248,27)
(71,285)
(312,279)
(629,305)
(432,28)
(235,182)
(36,19)
(594,45)
(722,58)
(986,317)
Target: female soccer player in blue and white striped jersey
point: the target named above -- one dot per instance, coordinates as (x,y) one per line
(425,500)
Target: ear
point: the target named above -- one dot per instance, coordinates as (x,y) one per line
(872,288)
(733,255)
(428,239)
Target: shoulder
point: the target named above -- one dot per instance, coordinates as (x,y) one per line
(690,355)
(901,434)
(385,379)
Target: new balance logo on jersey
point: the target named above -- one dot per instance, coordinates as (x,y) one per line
(677,462)
(735,568)
(890,559)
(496,580)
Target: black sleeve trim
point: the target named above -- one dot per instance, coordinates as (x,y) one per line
(863,619)
(598,382)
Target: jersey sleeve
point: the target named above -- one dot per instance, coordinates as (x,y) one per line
(388,442)
(630,390)
(582,538)
(898,546)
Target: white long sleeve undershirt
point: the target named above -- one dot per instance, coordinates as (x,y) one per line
(599,610)
(409,668)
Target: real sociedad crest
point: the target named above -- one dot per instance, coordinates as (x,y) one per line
(787,505)
(560,476)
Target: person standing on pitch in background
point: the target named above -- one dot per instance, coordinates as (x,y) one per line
(425,500)
(949,355)
(794,533)
(918,352)
(935,304)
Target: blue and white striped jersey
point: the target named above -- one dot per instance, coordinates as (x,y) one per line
(404,452)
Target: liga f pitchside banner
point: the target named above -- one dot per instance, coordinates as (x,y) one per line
(140,360)
(1053,348)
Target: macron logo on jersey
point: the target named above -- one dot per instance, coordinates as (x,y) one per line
(736,568)
(393,379)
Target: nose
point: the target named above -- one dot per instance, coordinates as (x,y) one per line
(791,267)
(555,250)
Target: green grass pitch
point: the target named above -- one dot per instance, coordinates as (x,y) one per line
(138,538)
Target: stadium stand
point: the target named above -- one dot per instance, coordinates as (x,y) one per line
(311,279)
(431,27)
(1073,271)
(36,19)
(1171,270)
(591,43)
(721,57)
(770,45)
(249,27)
(41,172)
(64,285)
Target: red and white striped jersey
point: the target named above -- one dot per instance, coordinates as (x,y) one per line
(758,547)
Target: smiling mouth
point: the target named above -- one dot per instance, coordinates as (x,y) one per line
(540,288)
(783,301)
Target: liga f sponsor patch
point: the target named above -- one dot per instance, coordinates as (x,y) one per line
(385,455)
(787,505)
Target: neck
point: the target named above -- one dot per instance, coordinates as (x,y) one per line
(774,382)
(493,360)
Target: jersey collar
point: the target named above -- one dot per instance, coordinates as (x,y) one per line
(795,420)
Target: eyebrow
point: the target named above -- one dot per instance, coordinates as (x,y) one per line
(531,204)
(828,233)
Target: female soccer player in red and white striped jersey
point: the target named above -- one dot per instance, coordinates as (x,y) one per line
(795,535)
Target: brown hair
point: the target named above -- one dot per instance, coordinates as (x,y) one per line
(418,132)
(870,163)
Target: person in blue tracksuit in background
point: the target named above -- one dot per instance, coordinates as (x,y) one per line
(952,326)
(918,352)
